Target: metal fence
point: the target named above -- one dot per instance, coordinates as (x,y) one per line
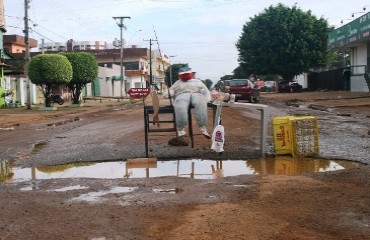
(334,79)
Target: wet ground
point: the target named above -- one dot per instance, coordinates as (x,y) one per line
(191,168)
(56,192)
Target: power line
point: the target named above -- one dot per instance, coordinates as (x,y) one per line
(150,60)
(159,49)
(35,24)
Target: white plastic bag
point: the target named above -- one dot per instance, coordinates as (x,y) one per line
(218,139)
(232,98)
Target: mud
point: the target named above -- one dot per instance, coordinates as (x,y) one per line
(325,205)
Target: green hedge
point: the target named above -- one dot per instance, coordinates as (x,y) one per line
(2,98)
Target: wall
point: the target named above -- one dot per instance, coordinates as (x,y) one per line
(108,86)
(359,58)
(358,84)
(302,80)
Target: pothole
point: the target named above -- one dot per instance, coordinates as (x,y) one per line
(64,122)
(196,168)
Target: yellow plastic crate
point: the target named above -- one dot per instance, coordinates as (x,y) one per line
(282,130)
(297,136)
(306,136)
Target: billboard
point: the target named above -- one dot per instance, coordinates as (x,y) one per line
(355,31)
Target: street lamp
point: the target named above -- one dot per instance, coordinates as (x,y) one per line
(342,21)
(121,26)
(133,35)
(353,14)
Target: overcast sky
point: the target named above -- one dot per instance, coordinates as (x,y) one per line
(202,33)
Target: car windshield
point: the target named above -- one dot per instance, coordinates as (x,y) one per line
(235,83)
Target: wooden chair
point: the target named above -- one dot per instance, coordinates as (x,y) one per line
(153,121)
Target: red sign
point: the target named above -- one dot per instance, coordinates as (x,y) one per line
(138,92)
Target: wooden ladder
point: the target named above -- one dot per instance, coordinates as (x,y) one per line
(152,118)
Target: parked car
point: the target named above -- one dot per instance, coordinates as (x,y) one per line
(287,86)
(243,89)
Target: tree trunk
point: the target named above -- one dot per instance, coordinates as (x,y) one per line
(47,95)
(76,92)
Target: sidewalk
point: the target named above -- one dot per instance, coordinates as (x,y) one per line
(315,96)
(10,117)
(351,102)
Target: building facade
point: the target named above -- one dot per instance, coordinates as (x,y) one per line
(110,83)
(355,36)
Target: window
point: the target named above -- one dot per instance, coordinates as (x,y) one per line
(138,84)
(131,65)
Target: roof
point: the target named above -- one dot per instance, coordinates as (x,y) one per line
(19,40)
(127,52)
(4,65)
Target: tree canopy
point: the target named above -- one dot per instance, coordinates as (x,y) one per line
(85,70)
(284,41)
(49,70)
(208,83)
(172,73)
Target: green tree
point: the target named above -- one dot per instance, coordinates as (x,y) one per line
(241,73)
(284,41)
(172,73)
(49,70)
(208,83)
(220,84)
(227,77)
(338,59)
(85,70)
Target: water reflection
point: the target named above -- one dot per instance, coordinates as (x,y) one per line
(196,168)
(292,166)
(6,170)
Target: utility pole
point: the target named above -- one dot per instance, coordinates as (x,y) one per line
(27,52)
(169,57)
(150,61)
(42,46)
(121,26)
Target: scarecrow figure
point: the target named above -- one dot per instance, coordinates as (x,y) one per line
(190,92)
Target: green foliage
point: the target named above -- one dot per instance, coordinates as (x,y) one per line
(218,85)
(174,69)
(84,65)
(208,83)
(338,59)
(284,41)
(220,82)
(241,73)
(269,77)
(227,77)
(47,69)
(85,70)
(2,96)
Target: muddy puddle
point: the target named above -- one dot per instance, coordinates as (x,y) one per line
(196,168)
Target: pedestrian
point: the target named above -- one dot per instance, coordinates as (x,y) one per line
(347,79)
(190,92)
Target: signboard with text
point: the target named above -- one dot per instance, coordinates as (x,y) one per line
(138,92)
(355,31)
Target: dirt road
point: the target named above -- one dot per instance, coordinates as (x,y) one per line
(330,205)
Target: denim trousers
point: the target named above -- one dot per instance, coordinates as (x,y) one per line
(181,105)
